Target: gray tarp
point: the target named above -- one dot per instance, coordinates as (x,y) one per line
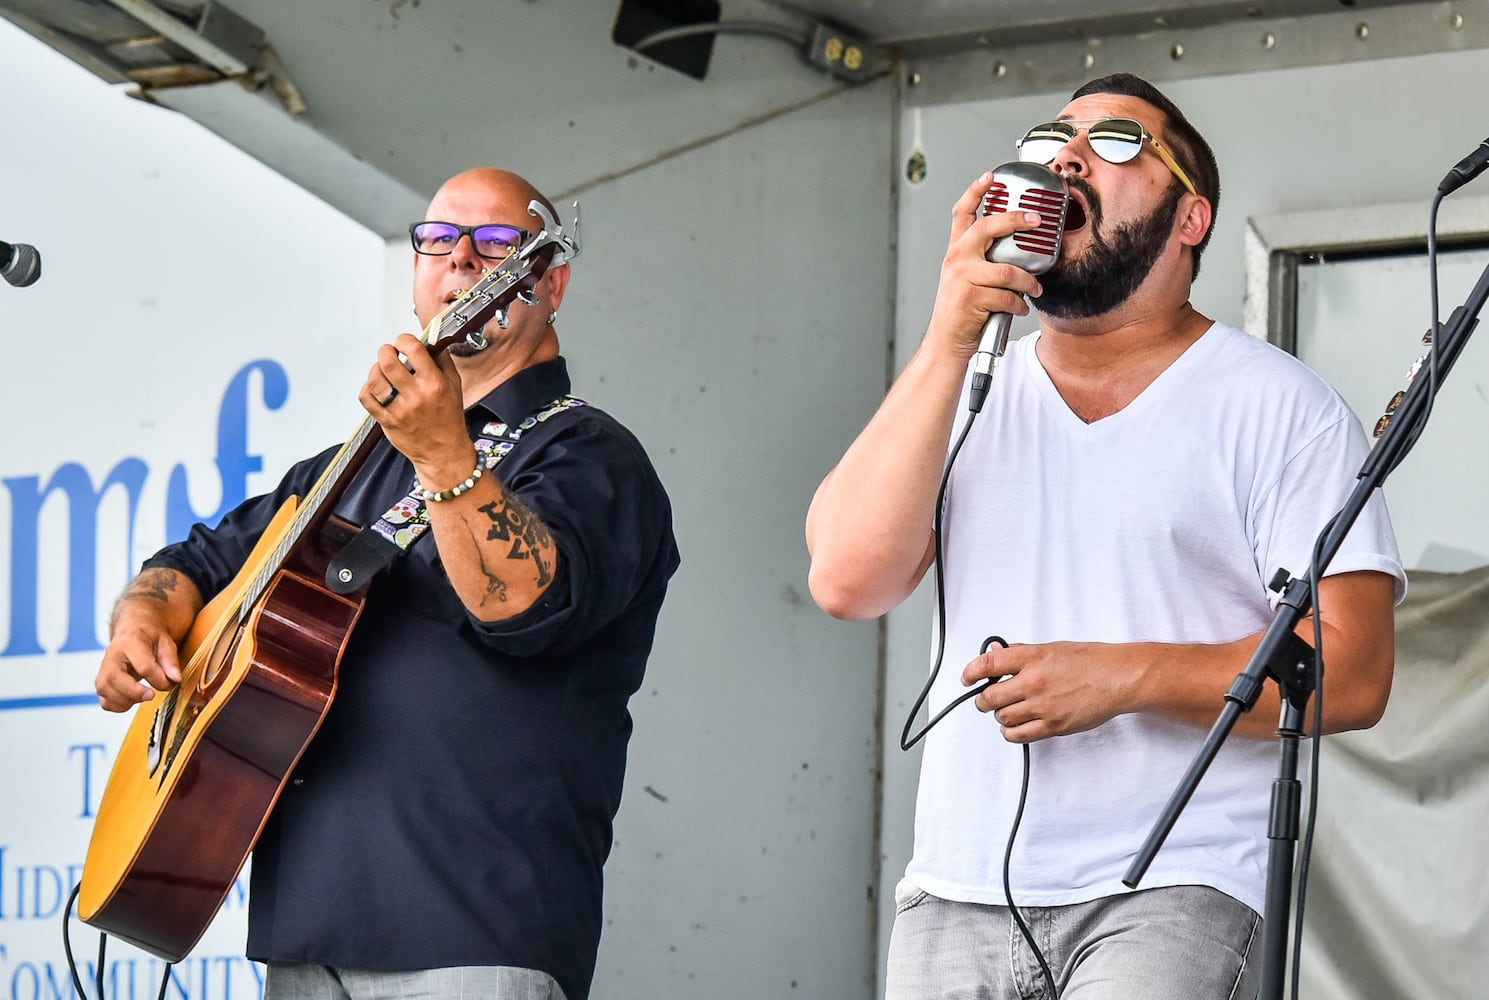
(1398,896)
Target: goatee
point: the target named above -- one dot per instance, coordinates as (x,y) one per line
(1109,271)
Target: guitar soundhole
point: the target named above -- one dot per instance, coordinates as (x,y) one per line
(178,724)
(215,669)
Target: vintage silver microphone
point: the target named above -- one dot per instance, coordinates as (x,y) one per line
(1018,187)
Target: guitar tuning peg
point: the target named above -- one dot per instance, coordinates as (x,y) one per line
(502,319)
(528,297)
(476,340)
(1390,411)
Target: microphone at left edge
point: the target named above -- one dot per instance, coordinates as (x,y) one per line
(20,264)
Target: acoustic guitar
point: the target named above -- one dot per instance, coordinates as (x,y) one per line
(201,767)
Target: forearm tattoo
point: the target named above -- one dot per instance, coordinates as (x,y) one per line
(526,538)
(151,585)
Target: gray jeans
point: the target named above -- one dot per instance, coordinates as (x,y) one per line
(1181,943)
(291,981)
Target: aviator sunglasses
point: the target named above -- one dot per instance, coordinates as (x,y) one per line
(1115,140)
(438,239)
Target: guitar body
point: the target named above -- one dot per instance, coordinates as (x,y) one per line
(201,766)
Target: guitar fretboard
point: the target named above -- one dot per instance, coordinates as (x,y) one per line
(305,515)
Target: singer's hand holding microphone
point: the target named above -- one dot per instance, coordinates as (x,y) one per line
(1018,188)
(1006,229)
(972,286)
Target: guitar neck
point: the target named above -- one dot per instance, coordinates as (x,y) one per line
(316,506)
(467,315)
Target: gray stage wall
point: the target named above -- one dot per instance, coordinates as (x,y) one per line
(734,310)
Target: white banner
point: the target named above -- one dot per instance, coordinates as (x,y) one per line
(199,324)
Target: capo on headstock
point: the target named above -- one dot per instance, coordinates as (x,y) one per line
(552,233)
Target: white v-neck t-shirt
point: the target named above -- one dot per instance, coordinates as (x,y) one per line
(1163,522)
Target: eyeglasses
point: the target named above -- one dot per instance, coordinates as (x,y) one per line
(438,239)
(1115,140)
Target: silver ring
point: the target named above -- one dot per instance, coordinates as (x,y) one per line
(392,395)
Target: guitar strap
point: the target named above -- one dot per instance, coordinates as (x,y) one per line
(376,546)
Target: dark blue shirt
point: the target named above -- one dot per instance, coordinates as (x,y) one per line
(456,806)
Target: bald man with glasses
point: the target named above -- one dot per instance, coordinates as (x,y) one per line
(443,835)
(1102,543)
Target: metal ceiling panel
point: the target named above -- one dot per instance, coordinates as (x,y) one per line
(371,103)
(940,26)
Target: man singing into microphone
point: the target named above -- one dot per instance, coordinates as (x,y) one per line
(1136,476)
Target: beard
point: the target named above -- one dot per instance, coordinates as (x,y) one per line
(1110,270)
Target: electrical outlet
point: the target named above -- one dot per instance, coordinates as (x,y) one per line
(845,56)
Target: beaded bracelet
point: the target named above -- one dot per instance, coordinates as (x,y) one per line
(484,460)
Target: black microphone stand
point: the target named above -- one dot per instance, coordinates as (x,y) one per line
(1286,658)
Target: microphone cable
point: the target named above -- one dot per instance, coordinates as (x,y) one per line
(1414,433)
(72,965)
(1314,760)
(103,943)
(907,741)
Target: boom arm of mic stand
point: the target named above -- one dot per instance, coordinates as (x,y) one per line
(1282,655)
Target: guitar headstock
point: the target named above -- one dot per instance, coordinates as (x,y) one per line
(514,278)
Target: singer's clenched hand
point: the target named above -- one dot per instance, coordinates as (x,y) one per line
(1058,688)
(971,289)
(1052,689)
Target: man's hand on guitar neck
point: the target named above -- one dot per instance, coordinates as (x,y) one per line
(149,620)
(499,556)
(418,400)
